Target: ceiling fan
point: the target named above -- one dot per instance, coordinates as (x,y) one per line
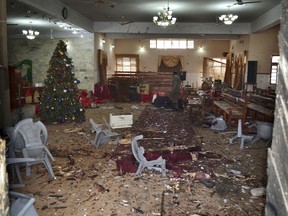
(240,2)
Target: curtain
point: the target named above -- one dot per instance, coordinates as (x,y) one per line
(169,63)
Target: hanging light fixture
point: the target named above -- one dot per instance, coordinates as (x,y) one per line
(30,34)
(165,17)
(228,18)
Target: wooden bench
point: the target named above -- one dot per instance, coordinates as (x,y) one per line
(231,105)
(261,107)
(157,81)
(160,81)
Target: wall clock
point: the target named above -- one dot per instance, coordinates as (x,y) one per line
(64,13)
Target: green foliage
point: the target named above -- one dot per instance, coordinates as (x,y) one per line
(59,102)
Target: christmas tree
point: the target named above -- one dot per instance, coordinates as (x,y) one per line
(59,102)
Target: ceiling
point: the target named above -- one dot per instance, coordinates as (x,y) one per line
(133,18)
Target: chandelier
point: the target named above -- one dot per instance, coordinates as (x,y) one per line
(30,34)
(165,17)
(228,18)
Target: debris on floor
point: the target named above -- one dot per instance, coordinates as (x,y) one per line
(207,175)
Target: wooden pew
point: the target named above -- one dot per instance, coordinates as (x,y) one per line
(158,81)
(261,107)
(231,105)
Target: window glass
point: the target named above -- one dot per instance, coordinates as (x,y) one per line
(182,44)
(190,44)
(274,69)
(153,44)
(171,44)
(275,59)
(127,63)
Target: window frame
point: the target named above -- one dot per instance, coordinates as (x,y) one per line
(214,67)
(171,43)
(274,74)
(131,56)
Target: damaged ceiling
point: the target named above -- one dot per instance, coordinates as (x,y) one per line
(126,19)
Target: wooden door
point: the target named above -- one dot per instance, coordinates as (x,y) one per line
(15,86)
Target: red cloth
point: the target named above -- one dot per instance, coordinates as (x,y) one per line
(84,101)
(101,91)
(87,98)
(37,110)
(180,161)
(146,98)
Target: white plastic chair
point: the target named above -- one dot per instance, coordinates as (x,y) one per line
(241,136)
(159,164)
(30,139)
(14,162)
(103,136)
(264,131)
(21,205)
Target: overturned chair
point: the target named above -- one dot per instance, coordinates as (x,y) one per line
(243,138)
(103,136)
(21,205)
(264,131)
(30,139)
(159,164)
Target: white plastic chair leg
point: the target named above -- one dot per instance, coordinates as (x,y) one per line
(241,136)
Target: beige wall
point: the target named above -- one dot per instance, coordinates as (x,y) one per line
(107,47)
(260,47)
(192,58)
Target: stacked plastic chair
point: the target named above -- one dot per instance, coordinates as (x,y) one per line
(29,139)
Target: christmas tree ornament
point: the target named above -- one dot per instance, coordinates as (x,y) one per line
(36,96)
(60,86)
(28,96)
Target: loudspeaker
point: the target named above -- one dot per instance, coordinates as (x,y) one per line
(252,72)
(183,75)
